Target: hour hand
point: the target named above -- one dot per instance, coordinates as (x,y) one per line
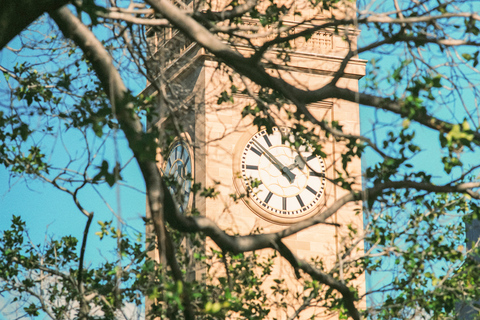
(284,169)
(298,162)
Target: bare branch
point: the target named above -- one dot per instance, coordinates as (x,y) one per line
(82,253)
(384,18)
(237,11)
(132,19)
(12,23)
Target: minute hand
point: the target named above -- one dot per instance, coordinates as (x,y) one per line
(275,161)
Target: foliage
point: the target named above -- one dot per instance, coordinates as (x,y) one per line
(70,99)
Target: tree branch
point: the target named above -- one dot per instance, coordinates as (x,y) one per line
(178,275)
(156,188)
(258,74)
(348,295)
(12,23)
(237,11)
(82,252)
(388,104)
(122,107)
(132,19)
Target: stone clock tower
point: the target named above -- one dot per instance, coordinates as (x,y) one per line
(228,152)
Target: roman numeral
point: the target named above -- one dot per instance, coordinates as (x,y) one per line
(311,190)
(311,157)
(269,196)
(267,140)
(256,151)
(284,203)
(251,167)
(300,200)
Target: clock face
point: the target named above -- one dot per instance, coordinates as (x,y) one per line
(178,169)
(284,184)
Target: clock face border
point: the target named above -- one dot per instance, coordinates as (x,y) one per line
(269,214)
(185,141)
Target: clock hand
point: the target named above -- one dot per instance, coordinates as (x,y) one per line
(271,157)
(298,162)
(275,161)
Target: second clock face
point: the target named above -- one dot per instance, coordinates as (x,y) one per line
(280,180)
(179,169)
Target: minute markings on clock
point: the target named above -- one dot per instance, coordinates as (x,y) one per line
(306,166)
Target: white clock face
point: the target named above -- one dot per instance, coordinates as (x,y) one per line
(280,180)
(179,169)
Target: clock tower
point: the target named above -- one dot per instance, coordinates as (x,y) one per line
(264,180)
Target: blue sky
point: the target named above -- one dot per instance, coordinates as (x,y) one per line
(51,212)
